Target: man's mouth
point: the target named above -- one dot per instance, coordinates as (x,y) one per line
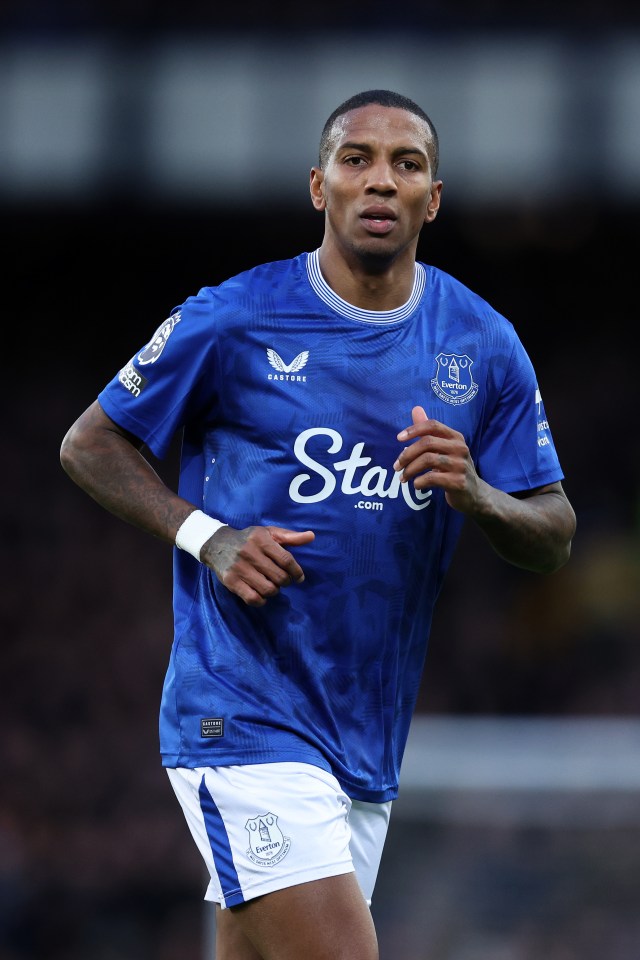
(379,222)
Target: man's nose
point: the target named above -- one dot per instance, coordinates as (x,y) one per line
(381,178)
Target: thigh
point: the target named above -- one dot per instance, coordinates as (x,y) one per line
(232,942)
(369,823)
(324,919)
(265,827)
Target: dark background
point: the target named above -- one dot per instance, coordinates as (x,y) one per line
(95,861)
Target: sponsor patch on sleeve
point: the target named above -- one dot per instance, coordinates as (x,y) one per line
(132,380)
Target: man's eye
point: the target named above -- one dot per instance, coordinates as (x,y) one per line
(354,161)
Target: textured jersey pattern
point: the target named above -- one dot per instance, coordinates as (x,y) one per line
(290,401)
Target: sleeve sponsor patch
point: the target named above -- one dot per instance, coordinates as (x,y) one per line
(132,380)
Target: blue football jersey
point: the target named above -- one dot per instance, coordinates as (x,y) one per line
(289,401)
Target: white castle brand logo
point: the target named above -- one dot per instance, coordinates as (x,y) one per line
(287,371)
(358,477)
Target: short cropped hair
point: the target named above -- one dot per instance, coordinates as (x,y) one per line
(385,98)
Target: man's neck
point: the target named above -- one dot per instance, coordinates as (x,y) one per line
(363,286)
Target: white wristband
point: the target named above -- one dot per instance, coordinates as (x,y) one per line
(195,531)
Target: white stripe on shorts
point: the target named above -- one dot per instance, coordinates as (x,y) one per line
(262,827)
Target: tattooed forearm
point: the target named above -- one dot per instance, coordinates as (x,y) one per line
(533,532)
(107,463)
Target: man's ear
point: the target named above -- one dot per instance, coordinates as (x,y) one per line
(316,188)
(433,204)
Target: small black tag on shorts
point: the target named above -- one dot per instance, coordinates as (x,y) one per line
(212,727)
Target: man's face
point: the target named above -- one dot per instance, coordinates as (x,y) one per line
(376,188)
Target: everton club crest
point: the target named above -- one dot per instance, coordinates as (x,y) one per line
(454,381)
(267,845)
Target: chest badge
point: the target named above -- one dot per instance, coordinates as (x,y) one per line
(454,381)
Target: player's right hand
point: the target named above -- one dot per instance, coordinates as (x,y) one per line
(253,563)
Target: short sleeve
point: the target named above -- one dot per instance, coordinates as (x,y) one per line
(171,380)
(517,451)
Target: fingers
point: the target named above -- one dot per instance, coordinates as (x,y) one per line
(291,537)
(423,426)
(436,456)
(439,460)
(253,563)
(418,415)
(277,563)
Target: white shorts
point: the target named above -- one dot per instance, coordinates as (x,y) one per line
(261,827)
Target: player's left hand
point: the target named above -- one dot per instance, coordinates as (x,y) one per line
(439,457)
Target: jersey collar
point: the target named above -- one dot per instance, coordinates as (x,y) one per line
(332,300)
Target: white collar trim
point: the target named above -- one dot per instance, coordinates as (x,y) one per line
(332,300)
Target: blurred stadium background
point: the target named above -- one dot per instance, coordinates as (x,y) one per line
(149,149)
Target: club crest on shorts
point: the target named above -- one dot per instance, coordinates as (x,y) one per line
(267,845)
(453,381)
